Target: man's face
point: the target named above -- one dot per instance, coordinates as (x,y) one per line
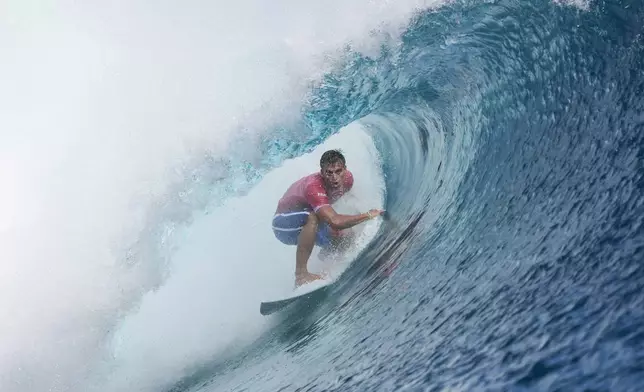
(333,175)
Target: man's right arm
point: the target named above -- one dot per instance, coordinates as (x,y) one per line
(340,221)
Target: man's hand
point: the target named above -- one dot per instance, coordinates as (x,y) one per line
(375,213)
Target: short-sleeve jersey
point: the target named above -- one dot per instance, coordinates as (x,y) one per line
(309,194)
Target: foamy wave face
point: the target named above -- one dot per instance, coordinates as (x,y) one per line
(228,262)
(101,102)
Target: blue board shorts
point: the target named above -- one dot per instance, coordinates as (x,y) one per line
(287,228)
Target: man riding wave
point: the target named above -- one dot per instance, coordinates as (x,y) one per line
(305,217)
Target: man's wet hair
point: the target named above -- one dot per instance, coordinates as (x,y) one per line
(332,157)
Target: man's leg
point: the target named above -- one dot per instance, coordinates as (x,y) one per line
(305,244)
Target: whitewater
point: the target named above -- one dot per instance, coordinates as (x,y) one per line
(144,145)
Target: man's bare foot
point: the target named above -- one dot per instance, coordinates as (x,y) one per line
(305,277)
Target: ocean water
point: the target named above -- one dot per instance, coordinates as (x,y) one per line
(144,146)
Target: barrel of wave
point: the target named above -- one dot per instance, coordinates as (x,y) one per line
(226,262)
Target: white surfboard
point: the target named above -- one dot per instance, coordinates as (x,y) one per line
(301,293)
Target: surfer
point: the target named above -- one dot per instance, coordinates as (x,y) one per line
(305,217)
